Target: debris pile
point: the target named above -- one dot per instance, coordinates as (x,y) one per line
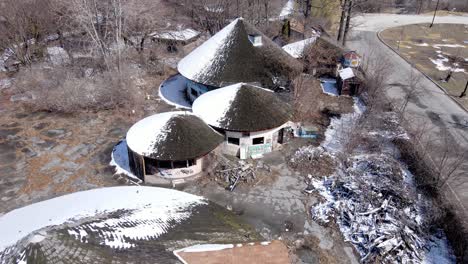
(233,173)
(375,208)
(312,160)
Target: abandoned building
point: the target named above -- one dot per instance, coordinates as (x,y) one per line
(174,38)
(169,147)
(253,120)
(349,81)
(237,53)
(351,59)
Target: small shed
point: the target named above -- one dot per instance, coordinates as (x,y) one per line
(351,59)
(173,38)
(252,119)
(169,146)
(349,81)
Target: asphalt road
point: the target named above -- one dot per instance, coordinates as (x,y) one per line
(432,107)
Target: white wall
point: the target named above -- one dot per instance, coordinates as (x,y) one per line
(270,136)
(176,173)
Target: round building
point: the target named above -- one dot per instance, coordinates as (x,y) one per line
(169,146)
(252,119)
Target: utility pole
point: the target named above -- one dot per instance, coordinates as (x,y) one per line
(464,91)
(435,12)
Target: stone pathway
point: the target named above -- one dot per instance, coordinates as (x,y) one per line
(43,155)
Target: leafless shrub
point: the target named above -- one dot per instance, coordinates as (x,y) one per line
(67,91)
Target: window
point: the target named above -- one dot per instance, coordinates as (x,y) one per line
(179,164)
(258,141)
(164,164)
(256,40)
(192,162)
(234,141)
(193,92)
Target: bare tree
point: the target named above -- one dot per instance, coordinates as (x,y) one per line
(412,92)
(23,24)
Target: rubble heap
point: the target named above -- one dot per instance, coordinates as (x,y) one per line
(376,209)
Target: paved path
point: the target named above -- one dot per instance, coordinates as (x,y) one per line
(432,106)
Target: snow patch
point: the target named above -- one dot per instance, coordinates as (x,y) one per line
(440,64)
(119,159)
(422,44)
(438,46)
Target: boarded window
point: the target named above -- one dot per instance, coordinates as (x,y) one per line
(258,141)
(234,141)
(179,164)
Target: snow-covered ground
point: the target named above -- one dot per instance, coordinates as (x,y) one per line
(152,210)
(373,200)
(172,91)
(119,159)
(440,63)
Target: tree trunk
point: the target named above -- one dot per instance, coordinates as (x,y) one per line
(348,21)
(307,8)
(342,19)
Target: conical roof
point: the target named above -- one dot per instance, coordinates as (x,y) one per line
(172,136)
(229,57)
(242,107)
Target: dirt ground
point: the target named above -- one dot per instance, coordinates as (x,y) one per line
(43,155)
(419,44)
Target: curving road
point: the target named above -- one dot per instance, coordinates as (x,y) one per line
(432,106)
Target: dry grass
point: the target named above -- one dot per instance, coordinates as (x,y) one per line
(412,46)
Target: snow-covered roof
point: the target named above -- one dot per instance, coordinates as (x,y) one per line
(297,49)
(242,107)
(229,57)
(346,73)
(160,205)
(178,35)
(288,9)
(172,136)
